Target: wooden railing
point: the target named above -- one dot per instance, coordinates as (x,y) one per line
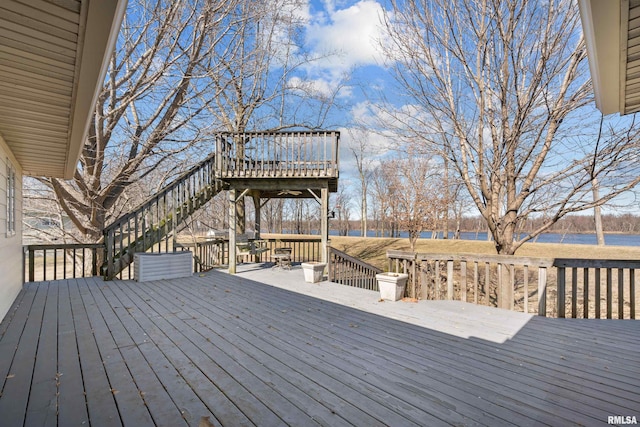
(277,154)
(208,254)
(66,261)
(152,225)
(302,249)
(215,253)
(549,287)
(350,271)
(63,261)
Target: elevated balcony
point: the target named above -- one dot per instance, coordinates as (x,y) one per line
(278,156)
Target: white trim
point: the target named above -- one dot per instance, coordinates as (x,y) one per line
(601,28)
(11,200)
(103,21)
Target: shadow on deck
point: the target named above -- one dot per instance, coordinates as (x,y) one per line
(244,353)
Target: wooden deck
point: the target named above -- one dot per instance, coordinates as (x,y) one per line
(88,352)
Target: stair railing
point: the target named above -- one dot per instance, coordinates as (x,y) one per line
(152,225)
(348,270)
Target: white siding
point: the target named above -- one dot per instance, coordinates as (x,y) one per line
(11,275)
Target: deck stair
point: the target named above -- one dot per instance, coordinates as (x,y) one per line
(150,226)
(263,164)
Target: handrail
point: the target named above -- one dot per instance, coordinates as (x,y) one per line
(62,261)
(560,287)
(150,225)
(169,187)
(351,271)
(208,254)
(303,154)
(299,154)
(214,253)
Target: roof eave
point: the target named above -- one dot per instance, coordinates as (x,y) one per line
(601,25)
(98,45)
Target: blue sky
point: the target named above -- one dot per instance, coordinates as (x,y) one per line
(351,31)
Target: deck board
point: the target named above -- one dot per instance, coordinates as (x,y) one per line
(18,381)
(329,364)
(246,353)
(460,388)
(278,351)
(42,406)
(107,329)
(130,340)
(185,383)
(72,409)
(99,399)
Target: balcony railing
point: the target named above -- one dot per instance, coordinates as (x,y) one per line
(277,155)
(67,261)
(62,261)
(577,288)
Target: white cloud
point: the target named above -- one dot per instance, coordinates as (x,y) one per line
(325,88)
(348,37)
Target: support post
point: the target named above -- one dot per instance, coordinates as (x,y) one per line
(257,206)
(324,223)
(232,231)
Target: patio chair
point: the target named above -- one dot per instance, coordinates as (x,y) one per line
(246,248)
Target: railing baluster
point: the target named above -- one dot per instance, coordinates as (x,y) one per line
(560,294)
(487,282)
(597,296)
(620,293)
(542,291)
(32,265)
(463,281)
(585,293)
(525,285)
(436,279)
(609,293)
(512,285)
(449,280)
(475,282)
(74,263)
(632,292)
(55,264)
(574,292)
(94,262)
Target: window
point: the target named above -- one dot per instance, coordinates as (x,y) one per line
(11,200)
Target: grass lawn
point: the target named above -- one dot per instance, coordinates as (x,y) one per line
(373,249)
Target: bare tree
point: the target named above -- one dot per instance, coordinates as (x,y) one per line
(258,83)
(155,90)
(272,214)
(502,88)
(343,208)
(416,186)
(383,194)
(362,154)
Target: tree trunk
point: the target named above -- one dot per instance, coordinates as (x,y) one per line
(363,215)
(447,199)
(597,213)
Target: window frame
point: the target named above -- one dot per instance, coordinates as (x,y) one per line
(11,200)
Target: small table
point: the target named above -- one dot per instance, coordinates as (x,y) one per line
(282,258)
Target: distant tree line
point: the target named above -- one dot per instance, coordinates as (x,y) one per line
(623,223)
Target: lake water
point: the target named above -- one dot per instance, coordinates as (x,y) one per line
(581,239)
